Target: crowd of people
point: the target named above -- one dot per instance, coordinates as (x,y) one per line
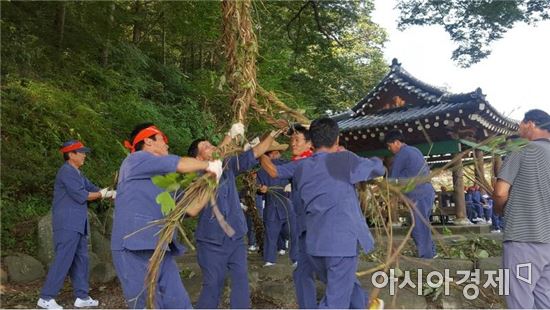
(309,206)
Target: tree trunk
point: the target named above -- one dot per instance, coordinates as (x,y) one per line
(163,39)
(192,61)
(105,51)
(136,33)
(60,23)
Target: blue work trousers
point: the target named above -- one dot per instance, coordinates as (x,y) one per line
(343,289)
(304,277)
(71,257)
(215,261)
(422,233)
(131,269)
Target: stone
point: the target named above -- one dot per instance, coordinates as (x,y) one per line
(439,264)
(46,251)
(101,246)
(103,272)
(3,276)
(490,263)
(279,293)
(93,261)
(23,268)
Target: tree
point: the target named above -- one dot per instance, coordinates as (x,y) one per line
(472,24)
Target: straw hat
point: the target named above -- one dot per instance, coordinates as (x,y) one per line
(275,146)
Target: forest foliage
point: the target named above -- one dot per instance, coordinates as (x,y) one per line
(92,70)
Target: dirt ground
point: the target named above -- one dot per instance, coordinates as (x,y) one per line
(25,296)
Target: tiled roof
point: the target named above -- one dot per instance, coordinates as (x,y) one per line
(399,115)
(433,101)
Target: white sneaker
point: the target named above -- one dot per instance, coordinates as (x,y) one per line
(48,304)
(490,221)
(282,252)
(81,303)
(267,264)
(295,264)
(252,248)
(496,231)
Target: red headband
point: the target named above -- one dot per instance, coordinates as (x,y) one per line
(142,135)
(72,147)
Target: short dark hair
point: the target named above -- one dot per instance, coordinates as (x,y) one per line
(135,132)
(393,135)
(66,155)
(539,117)
(324,132)
(299,128)
(193,150)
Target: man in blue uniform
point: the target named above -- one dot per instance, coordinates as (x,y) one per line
(304,274)
(409,163)
(217,252)
(335,224)
(478,205)
(136,206)
(278,208)
(72,191)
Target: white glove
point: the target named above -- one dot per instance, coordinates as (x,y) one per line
(106,193)
(288,188)
(216,168)
(110,194)
(244,207)
(237,129)
(251,144)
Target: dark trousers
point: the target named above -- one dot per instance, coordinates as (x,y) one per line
(422,233)
(215,261)
(304,277)
(343,289)
(71,257)
(272,238)
(131,269)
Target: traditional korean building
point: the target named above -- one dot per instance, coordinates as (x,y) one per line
(441,124)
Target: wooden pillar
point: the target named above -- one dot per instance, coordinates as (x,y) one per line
(458,185)
(479,167)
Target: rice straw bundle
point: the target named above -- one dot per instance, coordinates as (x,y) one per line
(199,193)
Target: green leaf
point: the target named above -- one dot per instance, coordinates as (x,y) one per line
(166,202)
(411,185)
(168,182)
(427,291)
(188,179)
(482,254)
(462,255)
(398,273)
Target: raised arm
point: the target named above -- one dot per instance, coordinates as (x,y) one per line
(188,164)
(268,166)
(262,147)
